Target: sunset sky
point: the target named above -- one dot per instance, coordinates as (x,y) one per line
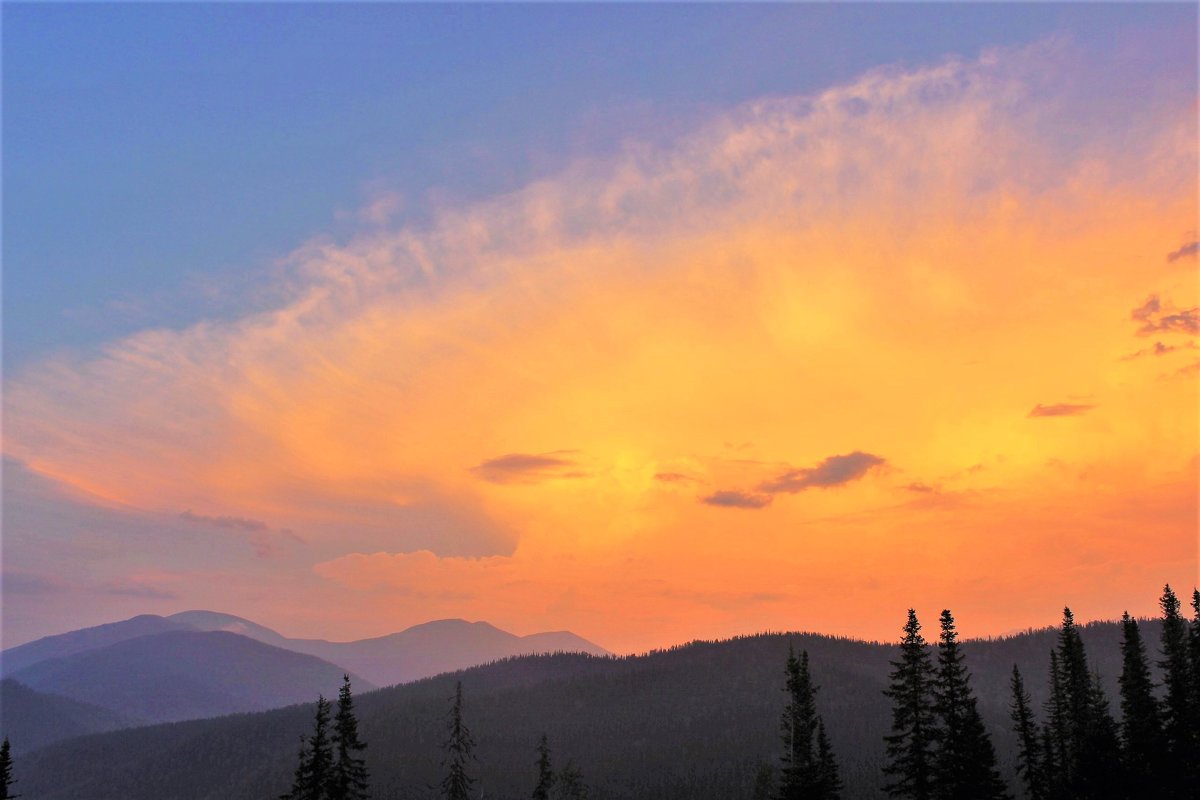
(651,323)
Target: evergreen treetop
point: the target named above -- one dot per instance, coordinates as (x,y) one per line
(1029,746)
(459,751)
(6,768)
(349,775)
(545,772)
(910,746)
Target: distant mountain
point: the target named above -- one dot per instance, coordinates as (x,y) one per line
(18,658)
(417,652)
(690,723)
(186,674)
(436,647)
(33,719)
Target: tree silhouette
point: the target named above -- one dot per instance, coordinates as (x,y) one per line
(965,764)
(829,779)
(1142,742)
(459,750)
(349,775)
(804,776)
(1180,705)
(314,771)
(910,746)
(1029,746)
(545,772)
(6,767)
(569,784)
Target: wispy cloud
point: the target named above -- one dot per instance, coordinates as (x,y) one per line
(1186,250)
(833,471)
(729,498)
(1159,317)
(527,468)
(1060,410)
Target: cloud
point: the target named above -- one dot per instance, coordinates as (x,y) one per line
(1159,349)
(833,471)
(1186,250)
(1159,317)
(527,468)
(1060,410)
(229,523)
(920,488)
(21,582)
(734,499)
(674,477)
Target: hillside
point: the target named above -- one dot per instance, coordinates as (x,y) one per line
(186,675)
(15,659)
(33,719)
(690,723)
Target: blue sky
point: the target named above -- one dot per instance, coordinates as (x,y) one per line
(158,158)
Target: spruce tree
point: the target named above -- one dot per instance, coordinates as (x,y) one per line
(6,771)
(965,764)
(829,779)
(1180,717)
(457,784)
(1142,743)
(314,773)
(569,784)
(545,773)
(1030,748)
(1055,764)
(797,729)
(349,775)
(1101,773)
(910,746)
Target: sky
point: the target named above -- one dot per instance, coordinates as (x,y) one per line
(649,322)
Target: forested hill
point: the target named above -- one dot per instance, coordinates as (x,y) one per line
(691,723)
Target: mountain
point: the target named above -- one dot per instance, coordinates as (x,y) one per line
(417,652)
(690,723)
(34,719)
(436,647)
(186,674)
(18,658)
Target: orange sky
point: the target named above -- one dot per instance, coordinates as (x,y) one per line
(822,359)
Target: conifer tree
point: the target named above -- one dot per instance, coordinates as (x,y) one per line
(829,779)
(1142,743)
(545,773)
(764,779)
(1180,717)
(1101,774)
(965,764)
(6,771)
(910,746)
(349,775)
(569,784)
(1055,764)
(797,729)
(315,770)
(457,784)
(1030,748)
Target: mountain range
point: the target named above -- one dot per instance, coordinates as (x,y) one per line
(195,664)
(696,722)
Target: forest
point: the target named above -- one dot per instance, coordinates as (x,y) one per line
(1079,712)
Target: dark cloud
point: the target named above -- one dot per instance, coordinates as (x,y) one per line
(734,499)
(228,523)
(833,471)
(527,467)
(1157,317)
(137,589)
(921,488)
(1060,410)
(1188,250)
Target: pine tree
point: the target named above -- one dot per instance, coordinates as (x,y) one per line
(965,764)
(910,746)
(457,784)
(6,768)
(545,773)
(1055,763)
(569,784)
(1180,717)
(1142,743)
(349,775)
(1029,746)
(797,729)
(315,770)
(829,779)
(1100,771)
